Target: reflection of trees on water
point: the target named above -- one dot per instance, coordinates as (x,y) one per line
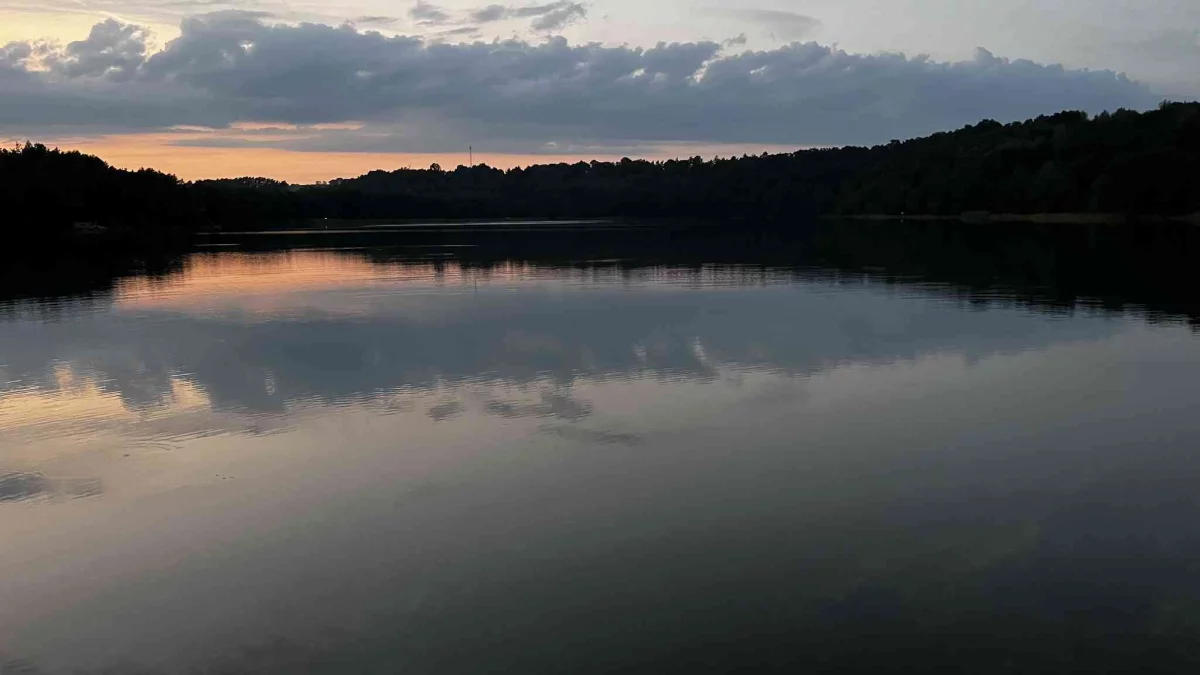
(1146,269)
(38,279)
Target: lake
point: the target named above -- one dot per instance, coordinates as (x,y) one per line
(849,448)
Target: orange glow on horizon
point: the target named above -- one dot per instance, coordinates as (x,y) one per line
(154,151)
(195,163)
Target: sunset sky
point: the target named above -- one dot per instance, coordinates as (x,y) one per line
(309,90)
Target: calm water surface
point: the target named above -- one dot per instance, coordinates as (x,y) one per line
(399,458)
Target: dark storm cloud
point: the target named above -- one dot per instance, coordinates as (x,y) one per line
(233,66)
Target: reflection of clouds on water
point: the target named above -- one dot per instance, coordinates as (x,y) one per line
(429,341)
(590,436)
(552,404)
(509,465)
(447,410)
(277,655)
(392,405)
(17,667)
(17,487)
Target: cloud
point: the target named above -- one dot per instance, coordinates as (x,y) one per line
(406,92)
(547,17)
(112,49)
(460,32)
(739,40)
(376,20)
(490,14)
(780,25)
(557,15)
(14,55)
(427,14)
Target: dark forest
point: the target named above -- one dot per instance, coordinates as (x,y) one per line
(1127,164)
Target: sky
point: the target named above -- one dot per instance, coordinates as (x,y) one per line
(307,90)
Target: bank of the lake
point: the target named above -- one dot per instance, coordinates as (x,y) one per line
(1031,218)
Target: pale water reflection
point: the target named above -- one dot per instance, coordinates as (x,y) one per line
(331,461)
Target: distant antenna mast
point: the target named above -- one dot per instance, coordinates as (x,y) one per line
(471,150)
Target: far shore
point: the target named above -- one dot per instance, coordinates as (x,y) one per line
(1036,218)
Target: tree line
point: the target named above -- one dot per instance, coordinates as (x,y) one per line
(1125,162)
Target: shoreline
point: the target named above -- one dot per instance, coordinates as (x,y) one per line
(982,217)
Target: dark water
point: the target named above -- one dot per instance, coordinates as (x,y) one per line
(848,449)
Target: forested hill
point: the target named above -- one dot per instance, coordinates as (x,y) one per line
(1125,163)
(45,192)
(1122,163)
